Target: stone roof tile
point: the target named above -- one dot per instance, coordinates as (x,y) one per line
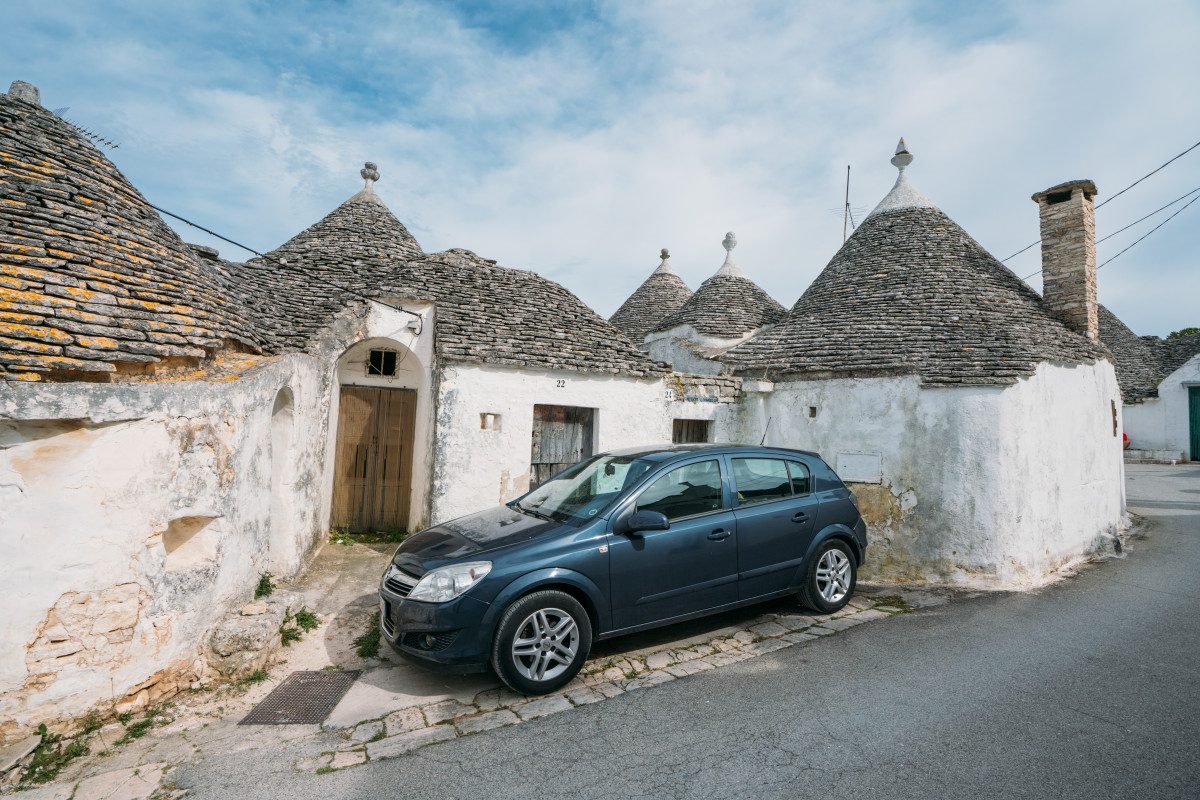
(90,276)
(659,296)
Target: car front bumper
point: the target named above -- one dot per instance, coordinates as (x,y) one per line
(447,637)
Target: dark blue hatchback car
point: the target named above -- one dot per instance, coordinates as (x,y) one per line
(618,543)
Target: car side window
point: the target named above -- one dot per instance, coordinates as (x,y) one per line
(685,491)
(801,477)
(761,480)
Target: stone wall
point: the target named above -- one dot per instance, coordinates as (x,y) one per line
(133,516)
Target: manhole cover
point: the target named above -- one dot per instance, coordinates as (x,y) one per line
(303,698)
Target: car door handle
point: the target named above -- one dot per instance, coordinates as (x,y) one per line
(719,534)
(800,516)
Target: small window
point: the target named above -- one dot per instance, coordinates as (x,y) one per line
(760,480)
(685,491)
(801,477)
(690,431)
(382,362)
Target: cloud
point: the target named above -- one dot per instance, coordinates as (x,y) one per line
(578,141)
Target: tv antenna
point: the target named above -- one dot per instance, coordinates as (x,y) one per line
(90,135)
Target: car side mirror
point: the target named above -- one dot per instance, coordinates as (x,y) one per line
(640,521)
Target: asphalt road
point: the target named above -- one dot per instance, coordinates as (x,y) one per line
(1088,689)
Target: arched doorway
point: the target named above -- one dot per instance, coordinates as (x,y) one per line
(373,467)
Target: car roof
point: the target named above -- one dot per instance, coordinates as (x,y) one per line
(666,452)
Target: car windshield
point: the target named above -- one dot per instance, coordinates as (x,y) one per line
(581,492)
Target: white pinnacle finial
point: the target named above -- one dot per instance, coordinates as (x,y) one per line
(369,173)
(665,266)
(902,158)
(730,266)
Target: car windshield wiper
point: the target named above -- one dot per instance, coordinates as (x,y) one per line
(533,513)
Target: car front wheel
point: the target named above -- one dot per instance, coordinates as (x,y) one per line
(541,642)
(832,575)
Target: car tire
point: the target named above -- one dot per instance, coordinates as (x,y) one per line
(541,642)
(830,578)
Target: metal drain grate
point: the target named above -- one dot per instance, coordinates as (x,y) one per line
(303,698)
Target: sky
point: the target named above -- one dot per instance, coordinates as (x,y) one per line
(576,139)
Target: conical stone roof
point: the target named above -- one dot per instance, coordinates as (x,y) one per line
(910,292)
(728,304)
(659,296)
(299,287)
(91,277)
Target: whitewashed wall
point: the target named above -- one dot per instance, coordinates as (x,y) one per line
(231,472)
(1161,423)
(476,468)
(385,327)
(979,486)
(98,481)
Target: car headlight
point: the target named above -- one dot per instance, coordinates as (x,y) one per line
(447,583)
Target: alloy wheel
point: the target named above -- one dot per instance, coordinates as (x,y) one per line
(833,575)
(545,644)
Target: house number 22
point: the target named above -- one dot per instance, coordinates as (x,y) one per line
(560,383)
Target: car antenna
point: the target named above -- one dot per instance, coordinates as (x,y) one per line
(766,428)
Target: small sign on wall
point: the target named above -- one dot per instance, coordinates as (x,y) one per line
(860,467)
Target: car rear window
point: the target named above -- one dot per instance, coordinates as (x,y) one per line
(761,480)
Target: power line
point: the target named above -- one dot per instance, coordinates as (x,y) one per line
(1143,219)
(1152,230)
(1159,168)
(1148,174)
(280,263)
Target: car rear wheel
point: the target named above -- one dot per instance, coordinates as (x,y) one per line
(832,575)
(541,642)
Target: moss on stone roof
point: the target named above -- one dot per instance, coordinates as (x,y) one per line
(91,278)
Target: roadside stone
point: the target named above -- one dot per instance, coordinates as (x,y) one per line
(745,637)
(818,630)
(658,660)
(724,659)
(11,756)
(796,622)
(870,614)
(608,689)
(799,637)
(543,707)
(584,696)
(403,721)
(314,763)
(847,611)
(648,680)
(135,783)
(405,743)
(682,669)
(769,630)
(492,699)
(488,721)
(843,623)
(348,758)
(366,731)
(446,710)
(766,646)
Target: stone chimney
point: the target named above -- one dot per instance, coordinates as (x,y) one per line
(1068,217)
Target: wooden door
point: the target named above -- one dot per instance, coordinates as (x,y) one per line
(372,481)
(1194,421)
(562,436)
